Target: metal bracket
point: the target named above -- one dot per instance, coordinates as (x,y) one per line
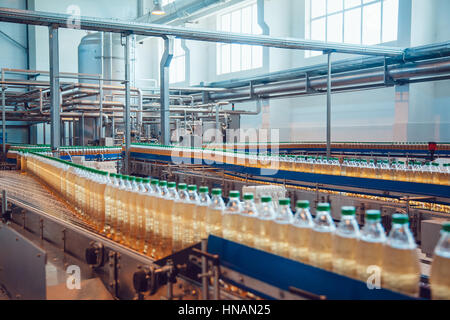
(387,79)
(113,266)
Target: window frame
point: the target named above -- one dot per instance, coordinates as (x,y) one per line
(254,65)
(343,11)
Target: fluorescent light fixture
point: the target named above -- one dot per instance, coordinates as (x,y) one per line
(157,9)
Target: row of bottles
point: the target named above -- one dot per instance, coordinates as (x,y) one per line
(157,218)
(409,171)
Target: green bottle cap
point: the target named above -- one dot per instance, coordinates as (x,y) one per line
(171,184)
(192,187)
(302,204)
(248,196)
(216,191)
(146,180)
(138,179)
(446,226)
(348,211)
(155,182)
(203,189)
(234,194)
(284,201)
(266,199)
(373,214)
(323,206)
(400,218)
(182,186)
(163,183)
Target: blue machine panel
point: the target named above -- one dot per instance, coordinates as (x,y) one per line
(284,273)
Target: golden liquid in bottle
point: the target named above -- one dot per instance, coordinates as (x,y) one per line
(140,221)
(177,220)
(299,239)
(320,252)
(132,217)
(401,270)
(108,210)
(148,224)
(262,234)
(187,222)
(229,226)
(118,224)
(367,254)
(166,229)
(200,224)
(440,278)
(246,233)
(344,255)
(279,237)
(214,222)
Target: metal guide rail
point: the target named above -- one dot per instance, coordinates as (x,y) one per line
(39,215)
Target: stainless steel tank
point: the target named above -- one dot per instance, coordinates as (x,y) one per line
(91,59)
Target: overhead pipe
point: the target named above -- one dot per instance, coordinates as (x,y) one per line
(125,27)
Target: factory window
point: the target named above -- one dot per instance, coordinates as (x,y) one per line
(366,22)
(236,57)
(177,70)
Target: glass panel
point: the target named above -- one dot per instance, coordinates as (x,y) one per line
(318,29)
(334,6)
(390,20)
(352,26)
(235,57)
(318,8)
(351,3)
(247,20)
(246,57)
(256,29)
(225,26)
(334,32)
(371,23)
(236,21)
(226,58)
(257,57)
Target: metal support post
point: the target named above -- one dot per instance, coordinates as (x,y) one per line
(127,118)
(329,106)
(164,89)
(4,120)
(54,88)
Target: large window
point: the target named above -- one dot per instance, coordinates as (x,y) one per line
(177,70)
(236,57)
(366,22)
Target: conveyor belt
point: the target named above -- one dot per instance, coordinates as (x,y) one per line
(26,189)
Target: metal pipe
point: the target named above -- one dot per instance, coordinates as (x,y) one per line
(154,30)
(329,106)
(127,103)
(4,121)
(164,89)
(54,88)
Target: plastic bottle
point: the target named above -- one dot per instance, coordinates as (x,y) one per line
(231,217)
(140,214)
(189,216)
(159,205)
(300,231)
(279,231)
(369,249)
(344,243)
(440,267)
(248,219)
(148,219)
(199,223)
(166,226)
(177,217)
(401,269)
(321,239)
(262,226)
(155,196)
(120,198)
(214,213)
